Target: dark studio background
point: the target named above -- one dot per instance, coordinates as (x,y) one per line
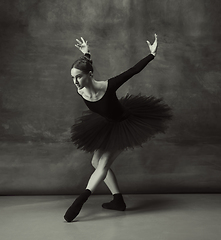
(38,102)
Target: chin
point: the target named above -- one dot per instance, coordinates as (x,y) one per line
(79,87)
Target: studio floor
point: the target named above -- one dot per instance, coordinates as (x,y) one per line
(151,216)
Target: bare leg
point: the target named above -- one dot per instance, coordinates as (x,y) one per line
(118,202)
(110,179)
(99,175)
(101,171)
(111,182)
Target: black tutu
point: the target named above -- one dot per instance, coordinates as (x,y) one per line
(147,117)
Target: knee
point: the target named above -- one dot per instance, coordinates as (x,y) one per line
(94,162)
(95,159)
(103,164)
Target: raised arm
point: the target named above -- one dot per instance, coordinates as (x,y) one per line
(117,81)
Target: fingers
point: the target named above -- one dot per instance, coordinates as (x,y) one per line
(77,46)
(155,37)
(83,40)
(82,45)
(155,40)
(79,41)
(148,43)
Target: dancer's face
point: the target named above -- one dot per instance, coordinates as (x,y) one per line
(80,78)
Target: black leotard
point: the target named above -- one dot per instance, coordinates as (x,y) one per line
(109,106)
(112,125)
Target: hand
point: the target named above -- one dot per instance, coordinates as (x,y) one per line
(153,47)
(82,46)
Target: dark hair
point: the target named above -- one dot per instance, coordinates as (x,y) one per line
(84,64)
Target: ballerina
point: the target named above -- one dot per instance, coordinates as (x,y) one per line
(111,125)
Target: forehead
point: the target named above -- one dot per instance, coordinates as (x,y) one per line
(75,71)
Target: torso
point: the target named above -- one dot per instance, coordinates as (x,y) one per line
(105,102)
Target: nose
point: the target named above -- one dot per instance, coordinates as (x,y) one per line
(75,81)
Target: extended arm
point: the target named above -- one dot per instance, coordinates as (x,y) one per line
(117,81)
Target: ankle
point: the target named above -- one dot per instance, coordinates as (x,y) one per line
(116,204)
(118,197)
(86,194)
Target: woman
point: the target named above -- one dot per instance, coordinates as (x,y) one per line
(111,125)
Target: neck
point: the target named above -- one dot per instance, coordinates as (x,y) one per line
(91,89)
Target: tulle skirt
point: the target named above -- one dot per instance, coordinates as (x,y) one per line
(146,116)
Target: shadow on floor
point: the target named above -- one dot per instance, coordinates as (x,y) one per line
(133,207)
(153,205)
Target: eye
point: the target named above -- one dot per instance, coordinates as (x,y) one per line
(78,77)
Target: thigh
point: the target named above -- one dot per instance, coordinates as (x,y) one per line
(96,157)
(97,154)
(107,158)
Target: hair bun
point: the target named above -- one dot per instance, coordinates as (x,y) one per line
(86,59)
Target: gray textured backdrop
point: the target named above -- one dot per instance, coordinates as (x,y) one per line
(38,102)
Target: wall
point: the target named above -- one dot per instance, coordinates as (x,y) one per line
(38,102)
